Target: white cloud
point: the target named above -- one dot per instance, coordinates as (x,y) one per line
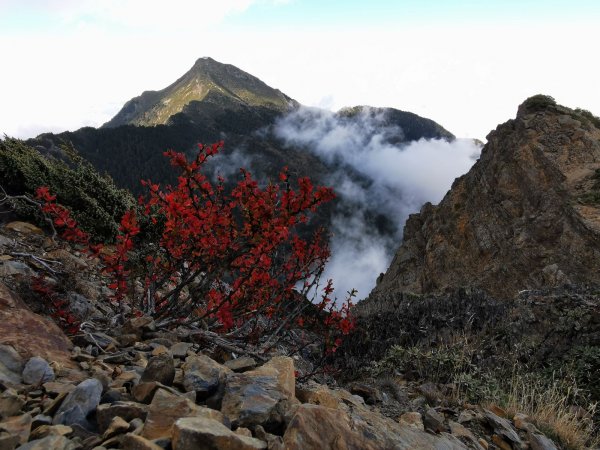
(374,175)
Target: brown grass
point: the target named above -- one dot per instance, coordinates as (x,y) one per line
(550,409)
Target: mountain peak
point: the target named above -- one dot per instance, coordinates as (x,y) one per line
(222,85)
(525,216)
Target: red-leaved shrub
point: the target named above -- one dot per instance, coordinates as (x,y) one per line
(231,260)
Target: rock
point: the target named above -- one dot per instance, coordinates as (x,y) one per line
(23,228)
(522,422)
(58,387)
(143,392)
(180,349)
(12,268)
(161,369)
(412,419)
(40,420)
(316,427)
(273,442)
(434,421)
(19,426)
(117,426)
(99,339)
(8,441)
(30,334)
(370,394)
(10,403)
(502,443)
(135,442)
(160,350)
(37,371)
(126,410)
(79,403)
(69,260)
(50,430)
(283,367)
(11,364)
(241,364)
(460,431)
(317,395)
(540,442)
(203,375)
(431,392)
(50,443)
(503,428)
(254,399)
(199,433)
(166,408)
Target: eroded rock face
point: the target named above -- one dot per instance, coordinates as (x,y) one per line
(30,334)
(526,215)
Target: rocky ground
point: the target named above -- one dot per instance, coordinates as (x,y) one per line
(131,385)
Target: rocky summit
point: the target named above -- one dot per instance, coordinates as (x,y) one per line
(527,215)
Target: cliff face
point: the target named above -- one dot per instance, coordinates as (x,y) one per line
(526,215)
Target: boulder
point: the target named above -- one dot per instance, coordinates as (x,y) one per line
(30,334)
(79,403)
(37,371)
(166,408)
(203,375)
(199,433)
(160,369)
(11,364)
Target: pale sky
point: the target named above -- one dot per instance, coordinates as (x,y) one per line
(466,64)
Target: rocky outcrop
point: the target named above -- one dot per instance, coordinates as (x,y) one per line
(526,215)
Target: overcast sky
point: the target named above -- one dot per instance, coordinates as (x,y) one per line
(466,64)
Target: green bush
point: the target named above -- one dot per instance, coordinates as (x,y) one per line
(95,201)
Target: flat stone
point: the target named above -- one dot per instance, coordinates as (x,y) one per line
(180,349)
(317,395)
(117,426)
(161,369)
(241,364)
(19,426)
(166,408)
(23,228)
(126,410)
(56,387)
(135,442)
(50,430)
(199,433)
(203,375)
(50,443)
(79,403)
(37,371)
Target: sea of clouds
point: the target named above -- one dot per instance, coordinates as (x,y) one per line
(374,171)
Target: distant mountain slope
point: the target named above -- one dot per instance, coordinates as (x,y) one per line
(526,215)
(209,82)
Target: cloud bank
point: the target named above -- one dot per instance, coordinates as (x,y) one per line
(381,180)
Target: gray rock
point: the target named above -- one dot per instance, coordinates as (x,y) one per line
(203,375)
(198,433)
(79,403)
(10,403)
(241,364)
(37,371)
(503,427)
(161,369)
(180,349)
(434,421)
(11,268)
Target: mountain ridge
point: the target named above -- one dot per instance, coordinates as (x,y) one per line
(525,216)
(219,82)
